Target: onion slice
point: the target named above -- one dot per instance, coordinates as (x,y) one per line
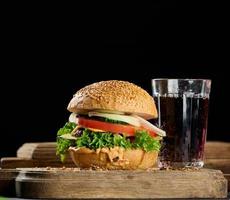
(73,118)
(68,136)
(147,124)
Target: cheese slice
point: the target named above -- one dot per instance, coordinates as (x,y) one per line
(91,129)
(96,130)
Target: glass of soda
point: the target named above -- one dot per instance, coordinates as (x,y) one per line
(183,113)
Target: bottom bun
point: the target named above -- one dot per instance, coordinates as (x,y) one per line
(113,158)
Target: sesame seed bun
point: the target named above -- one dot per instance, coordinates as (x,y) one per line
(114,96)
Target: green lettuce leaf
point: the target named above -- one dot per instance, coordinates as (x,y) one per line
(144,141)
(64,144)
(68,127)
(95,140)
(62,147)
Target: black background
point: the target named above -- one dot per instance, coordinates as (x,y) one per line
(51,51)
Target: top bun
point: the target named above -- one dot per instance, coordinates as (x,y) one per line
(114,96)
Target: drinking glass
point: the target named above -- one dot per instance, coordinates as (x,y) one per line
(183,113)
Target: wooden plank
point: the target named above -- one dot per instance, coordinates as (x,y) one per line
(40,151)
(28,150)
(221,164)
(7,182)
(86,184)
(227,176)
(13,162)
(220,150)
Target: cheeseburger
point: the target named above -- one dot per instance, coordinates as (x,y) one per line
(108,127)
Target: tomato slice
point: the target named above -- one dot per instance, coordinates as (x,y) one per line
(110,127)
(126,130)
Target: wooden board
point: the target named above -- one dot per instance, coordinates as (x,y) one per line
(86,184)
(36,155)
(7,182)
(217,150)
(40,151)
(221,164)
(227,176)
(44,155)
(14,162)
(217,156)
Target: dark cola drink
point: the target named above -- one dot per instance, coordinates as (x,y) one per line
(183,114)
(185,122)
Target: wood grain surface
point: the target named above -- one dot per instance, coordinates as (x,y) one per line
(70,183)
(7,182)
(40,151)
(221,164)
(14,162)
(35,155)
(217,150)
